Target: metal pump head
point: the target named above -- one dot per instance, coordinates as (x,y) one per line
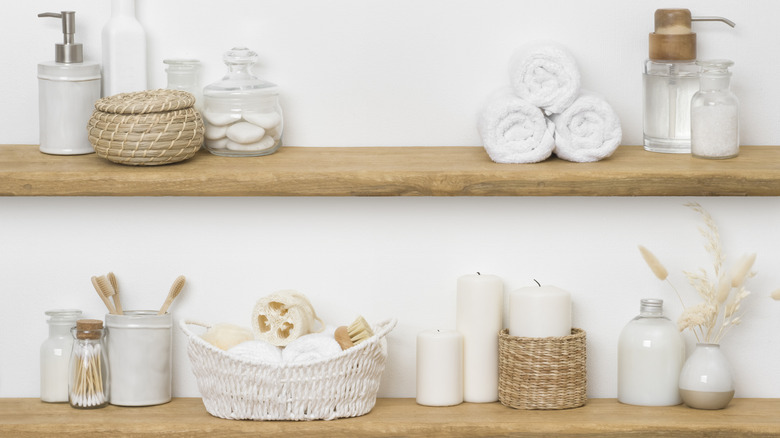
(69,52)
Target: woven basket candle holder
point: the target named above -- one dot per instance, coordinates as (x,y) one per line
(146,128)
(542,373)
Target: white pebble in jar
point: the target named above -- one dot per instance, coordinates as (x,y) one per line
(221,119)
(215,132)
(220,143)
(264,120)
(245,133)
(265,143)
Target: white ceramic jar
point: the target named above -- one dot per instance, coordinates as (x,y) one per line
(139,353)
(55,355)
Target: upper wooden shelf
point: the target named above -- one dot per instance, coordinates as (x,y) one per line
(398,417)
(390,171)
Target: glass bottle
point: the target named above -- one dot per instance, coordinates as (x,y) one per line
(241,112)
(88,371)
(55,355)
(651,353)
(670,79)
(184,75)
(715,113)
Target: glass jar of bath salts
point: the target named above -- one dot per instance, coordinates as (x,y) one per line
(715,113)
(241,112)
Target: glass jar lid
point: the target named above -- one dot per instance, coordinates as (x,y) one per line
(239,79)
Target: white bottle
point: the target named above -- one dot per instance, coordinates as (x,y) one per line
(67,90)
(55,355)
(124,50)
(651,353)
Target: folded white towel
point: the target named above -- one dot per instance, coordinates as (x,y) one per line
(309,348)
(589,130)
(515,131)
(258,351)
(546,76)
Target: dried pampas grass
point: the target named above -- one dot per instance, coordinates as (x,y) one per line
(722,294)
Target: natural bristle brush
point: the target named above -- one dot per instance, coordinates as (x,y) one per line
(176,288)
(117,303)
(356,333)
(102,287)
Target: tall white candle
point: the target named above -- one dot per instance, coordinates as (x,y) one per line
(539,312)
(439,368)
(479,318)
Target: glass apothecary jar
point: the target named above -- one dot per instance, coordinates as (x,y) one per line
(715,113)
(241,112)
(184,75)
(88,382)
(55,355)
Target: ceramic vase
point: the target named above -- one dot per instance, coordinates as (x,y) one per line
(705,380)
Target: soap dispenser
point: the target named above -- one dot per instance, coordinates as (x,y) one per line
(67,90)
(671,78)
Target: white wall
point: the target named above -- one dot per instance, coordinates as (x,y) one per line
(368,72)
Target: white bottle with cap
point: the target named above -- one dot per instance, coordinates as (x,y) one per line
(67,90)
(124,50)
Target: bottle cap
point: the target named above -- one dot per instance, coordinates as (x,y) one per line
(89,328)
(69,52)
(673,39)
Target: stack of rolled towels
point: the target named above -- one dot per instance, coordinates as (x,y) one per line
(544,110)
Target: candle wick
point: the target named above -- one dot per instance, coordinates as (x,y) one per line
(540,285)
(478,273)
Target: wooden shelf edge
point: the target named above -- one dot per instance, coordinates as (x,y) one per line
(399,417)
(391,171)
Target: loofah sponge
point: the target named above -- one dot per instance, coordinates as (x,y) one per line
(283,317)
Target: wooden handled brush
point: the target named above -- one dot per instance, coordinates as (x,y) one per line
(357,332)
(176,288)
(117,304)
(102,287)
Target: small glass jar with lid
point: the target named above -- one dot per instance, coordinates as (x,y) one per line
(241,112)
(88,372)
(715,113)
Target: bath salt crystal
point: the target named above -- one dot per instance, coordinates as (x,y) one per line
(245,133)
(715,131)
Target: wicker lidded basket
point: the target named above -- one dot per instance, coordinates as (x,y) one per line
(542,373)
(146,128)
(236,388)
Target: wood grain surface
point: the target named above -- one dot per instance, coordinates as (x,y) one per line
(185,417)
(389,171)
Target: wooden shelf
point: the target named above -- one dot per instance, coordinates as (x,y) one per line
(387,171)
(398,417)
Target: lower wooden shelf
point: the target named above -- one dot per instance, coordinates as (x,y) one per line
(398,417)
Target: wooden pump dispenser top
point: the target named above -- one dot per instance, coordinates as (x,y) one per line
(673,39)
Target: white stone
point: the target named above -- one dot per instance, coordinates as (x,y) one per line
(276,133)
(264,120)
(245,133)
(217,144)
(266,143)
(215,132)
(221,119)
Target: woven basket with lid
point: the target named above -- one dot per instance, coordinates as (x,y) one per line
(146,128)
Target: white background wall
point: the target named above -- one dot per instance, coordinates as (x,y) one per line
(370,72)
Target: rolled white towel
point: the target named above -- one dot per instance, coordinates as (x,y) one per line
(589,130)
(258,351)
(309,348)
(515,131)
(546,76)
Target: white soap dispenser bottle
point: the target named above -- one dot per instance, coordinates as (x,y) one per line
(67,90)
(124,50)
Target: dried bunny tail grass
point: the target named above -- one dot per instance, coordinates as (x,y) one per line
(655,265)
(724,287)
(742,269)
(775,294)
(711,234)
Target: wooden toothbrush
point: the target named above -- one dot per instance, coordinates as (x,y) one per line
(176,288)
(96,283)
(117,304)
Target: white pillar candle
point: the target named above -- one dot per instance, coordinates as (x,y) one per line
(439,368)
(479,319)
(539,312)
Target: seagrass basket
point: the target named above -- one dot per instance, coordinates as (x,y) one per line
(237,388)
(542,373)
(146,128)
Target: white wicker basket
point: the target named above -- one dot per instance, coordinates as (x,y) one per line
(238,389)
